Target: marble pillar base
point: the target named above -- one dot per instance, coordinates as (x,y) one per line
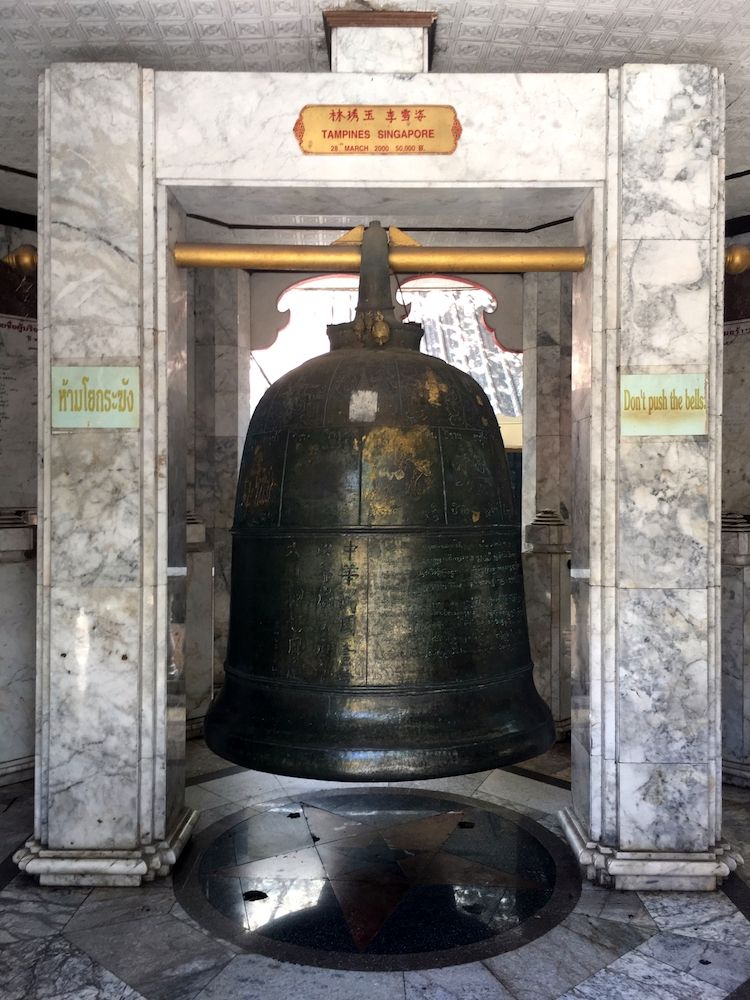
(648,870)
(108,868)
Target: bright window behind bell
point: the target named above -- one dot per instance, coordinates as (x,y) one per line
(451,311)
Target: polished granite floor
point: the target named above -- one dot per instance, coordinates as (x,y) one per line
(458,915)
(385,879)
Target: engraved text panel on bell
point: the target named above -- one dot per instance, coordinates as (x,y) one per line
(454,602)
(430,391)
(260,480)
(477,487)
(305,601)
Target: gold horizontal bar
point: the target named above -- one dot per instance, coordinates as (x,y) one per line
(412,260)
(737,259)
(487,260)
(23,258)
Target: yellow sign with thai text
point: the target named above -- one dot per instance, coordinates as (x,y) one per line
(387,129)
(102,396)
(657,404)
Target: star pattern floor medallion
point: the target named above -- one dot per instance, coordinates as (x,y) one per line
(378,878)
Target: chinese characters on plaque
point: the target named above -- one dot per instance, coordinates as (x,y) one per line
(403,129)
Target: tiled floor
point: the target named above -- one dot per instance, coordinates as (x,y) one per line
(122,944)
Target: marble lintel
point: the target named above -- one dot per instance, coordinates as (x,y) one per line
(203,119)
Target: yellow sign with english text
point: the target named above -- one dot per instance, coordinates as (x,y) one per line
(657,404)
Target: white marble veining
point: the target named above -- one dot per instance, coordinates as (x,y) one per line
(669,137)
(379,50)
(724,965)
(210,126)
(663,690)
(663,807)
(696,915)
(472,981)
(645,545)
(57,968)
(174,960)
(665,302)
(562,958)
(95,653)
(245,974)
(95,480)
(30,912)
(635,976)
(101,808)
(94,280)
(663,522)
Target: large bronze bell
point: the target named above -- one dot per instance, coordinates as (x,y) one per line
(378,629)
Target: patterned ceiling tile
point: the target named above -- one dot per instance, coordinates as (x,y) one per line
(472,36)
(245,8)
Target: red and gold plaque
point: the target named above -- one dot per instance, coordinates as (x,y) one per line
(377,129)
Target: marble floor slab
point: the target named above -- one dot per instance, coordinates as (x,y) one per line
(43,969)
(160,956)
(709,916)
(141,944)
(636,976)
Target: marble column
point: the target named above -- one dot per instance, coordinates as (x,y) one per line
(646,559)
(18,393)
(546,486)
(109,795)
(222,413)
(735,648)
(735,535)
(17,620)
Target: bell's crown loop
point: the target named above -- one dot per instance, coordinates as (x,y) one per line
(375,324)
